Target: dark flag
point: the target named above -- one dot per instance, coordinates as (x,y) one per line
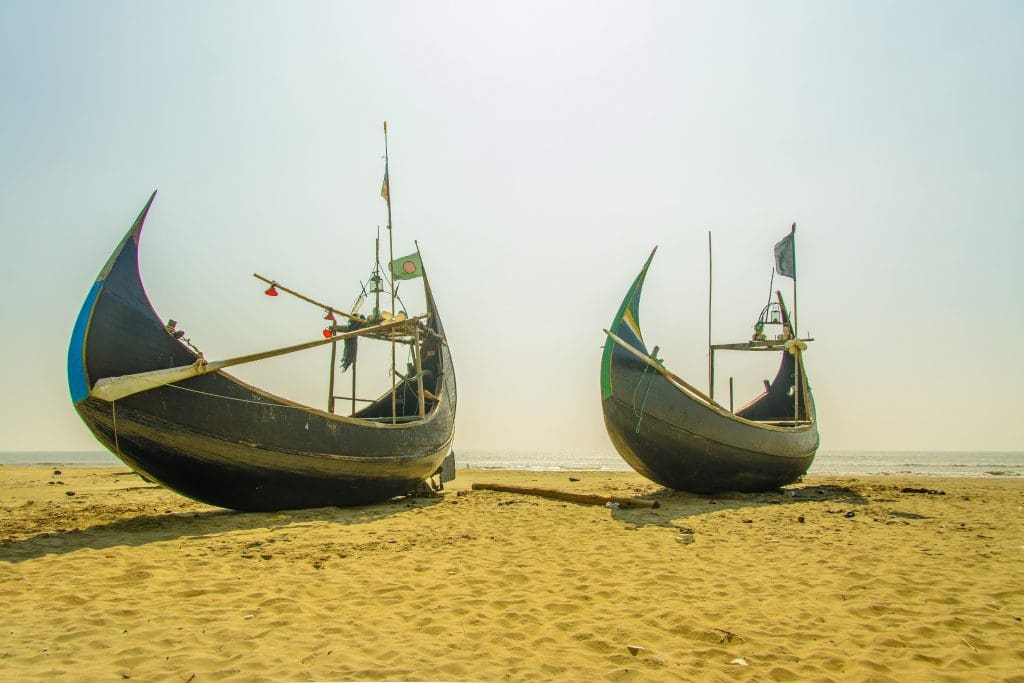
(785,256)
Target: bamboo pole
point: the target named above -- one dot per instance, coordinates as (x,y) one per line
(711,352)
(806,391)
(376,256)
(793,241)
(330,394)
(354,365)
(419,371)
(796,386)
(711,373)
(587,498)
(113,388)
(391,278)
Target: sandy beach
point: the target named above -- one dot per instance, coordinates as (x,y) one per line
(107,577)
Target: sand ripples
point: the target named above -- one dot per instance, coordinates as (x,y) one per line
(491,586)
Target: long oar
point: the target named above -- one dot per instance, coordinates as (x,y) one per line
(113,388)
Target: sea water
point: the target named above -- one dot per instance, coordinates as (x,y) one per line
(926,463)
(65,458)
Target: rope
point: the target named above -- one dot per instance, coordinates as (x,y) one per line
(232,398)
(639,413)
(113,412)
(391,283)
(240,400)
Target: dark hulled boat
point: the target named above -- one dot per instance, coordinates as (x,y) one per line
(221,441)
(675,435)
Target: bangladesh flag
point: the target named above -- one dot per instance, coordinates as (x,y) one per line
(407,267)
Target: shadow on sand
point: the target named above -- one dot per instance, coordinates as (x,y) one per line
(141,530)
(680,504)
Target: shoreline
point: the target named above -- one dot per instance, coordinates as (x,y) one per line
(990,471)
(124,579)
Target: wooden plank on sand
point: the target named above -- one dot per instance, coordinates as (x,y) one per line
(587,498)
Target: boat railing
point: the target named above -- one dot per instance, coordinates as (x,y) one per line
(390,420)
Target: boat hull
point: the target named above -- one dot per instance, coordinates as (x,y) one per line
(244,476)
(220,441)
(678,456)
(681,440)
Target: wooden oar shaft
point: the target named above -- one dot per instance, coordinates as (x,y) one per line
(305,298)
(587,498)
(114,388)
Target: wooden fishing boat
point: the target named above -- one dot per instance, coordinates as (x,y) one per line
(677,436)
(182,421)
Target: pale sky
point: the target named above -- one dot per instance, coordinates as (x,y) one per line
(538,151)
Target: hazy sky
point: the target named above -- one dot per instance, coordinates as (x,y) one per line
(538,151)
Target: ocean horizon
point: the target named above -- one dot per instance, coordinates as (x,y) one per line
(924,463)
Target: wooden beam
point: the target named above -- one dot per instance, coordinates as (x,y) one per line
(585,498)
(771,345)
(113,388)
(664,371)
(419,373)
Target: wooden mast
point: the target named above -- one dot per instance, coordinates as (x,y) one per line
(787,320)
(376,274)
(391,275)
(419,371)
(711,350)
(334,359)
(418,349)
(796,360)
(792,241)
(354,364)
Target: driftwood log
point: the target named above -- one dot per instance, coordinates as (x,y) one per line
(586,498)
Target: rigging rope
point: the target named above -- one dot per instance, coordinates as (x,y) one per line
(639,413)
(232,398)
(392,284)
(113,413)
(240,400)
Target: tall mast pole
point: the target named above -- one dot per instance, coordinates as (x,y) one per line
(796,362)
(711,351)
(376,272)
(391,276)
(792,240)
(334,358)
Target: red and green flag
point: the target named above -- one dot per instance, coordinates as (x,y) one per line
(407,267)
